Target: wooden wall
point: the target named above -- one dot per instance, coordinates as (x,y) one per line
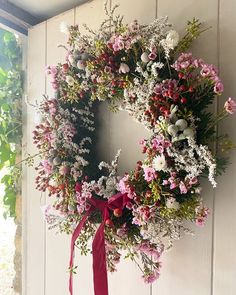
(204,264)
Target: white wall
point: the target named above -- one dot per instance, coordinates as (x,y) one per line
(204,264)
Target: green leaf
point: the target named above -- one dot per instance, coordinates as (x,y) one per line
(8,37)
(3,76)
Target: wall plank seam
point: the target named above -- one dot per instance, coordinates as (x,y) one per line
(44,194)
(217,107)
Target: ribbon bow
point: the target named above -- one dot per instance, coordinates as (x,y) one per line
(98,246)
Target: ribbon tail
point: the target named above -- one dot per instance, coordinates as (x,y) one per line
(74,237)
(99,263)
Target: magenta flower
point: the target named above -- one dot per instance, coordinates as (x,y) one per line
(230,106)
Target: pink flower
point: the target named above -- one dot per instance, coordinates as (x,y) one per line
(64,169)
(182,187)
(47,167)
(193,180)
(206,71)
(200,221)
(122,231)
(148,249)
(201,215)
(125,187)
(152,56)
(219,87)
(149,173)
(230,106)
(151,277)
(55,85)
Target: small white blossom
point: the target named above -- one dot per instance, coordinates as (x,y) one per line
(171,203)
(124,68)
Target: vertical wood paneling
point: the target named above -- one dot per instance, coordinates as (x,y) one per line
(225,208)
(34,228)
(187,268)
(57,246)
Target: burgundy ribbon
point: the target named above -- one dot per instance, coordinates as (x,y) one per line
(98,247)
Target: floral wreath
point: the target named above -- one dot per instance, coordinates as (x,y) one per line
(144,70)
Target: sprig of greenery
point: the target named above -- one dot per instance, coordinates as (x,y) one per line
(11,88)
(193,31)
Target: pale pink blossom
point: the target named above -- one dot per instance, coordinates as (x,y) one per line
(183,188)
(152,55)
(149,173)
(219,87)
(125,187)
(151,277)
(124,68)
(47,167)
(64,169)
(230,106)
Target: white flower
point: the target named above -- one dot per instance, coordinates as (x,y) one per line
(124,68)
(181,124)
(172,39)
(70,58)
(189,132)
(159,163)
(64,28)
(171,203)
(172,130)
(144,57)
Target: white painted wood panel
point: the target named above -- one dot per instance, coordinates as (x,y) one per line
(225,210)
(34,227)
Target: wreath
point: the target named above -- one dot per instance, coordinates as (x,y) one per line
(146,71)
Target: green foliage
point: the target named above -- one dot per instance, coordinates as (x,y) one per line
(193,31)
(11,87)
